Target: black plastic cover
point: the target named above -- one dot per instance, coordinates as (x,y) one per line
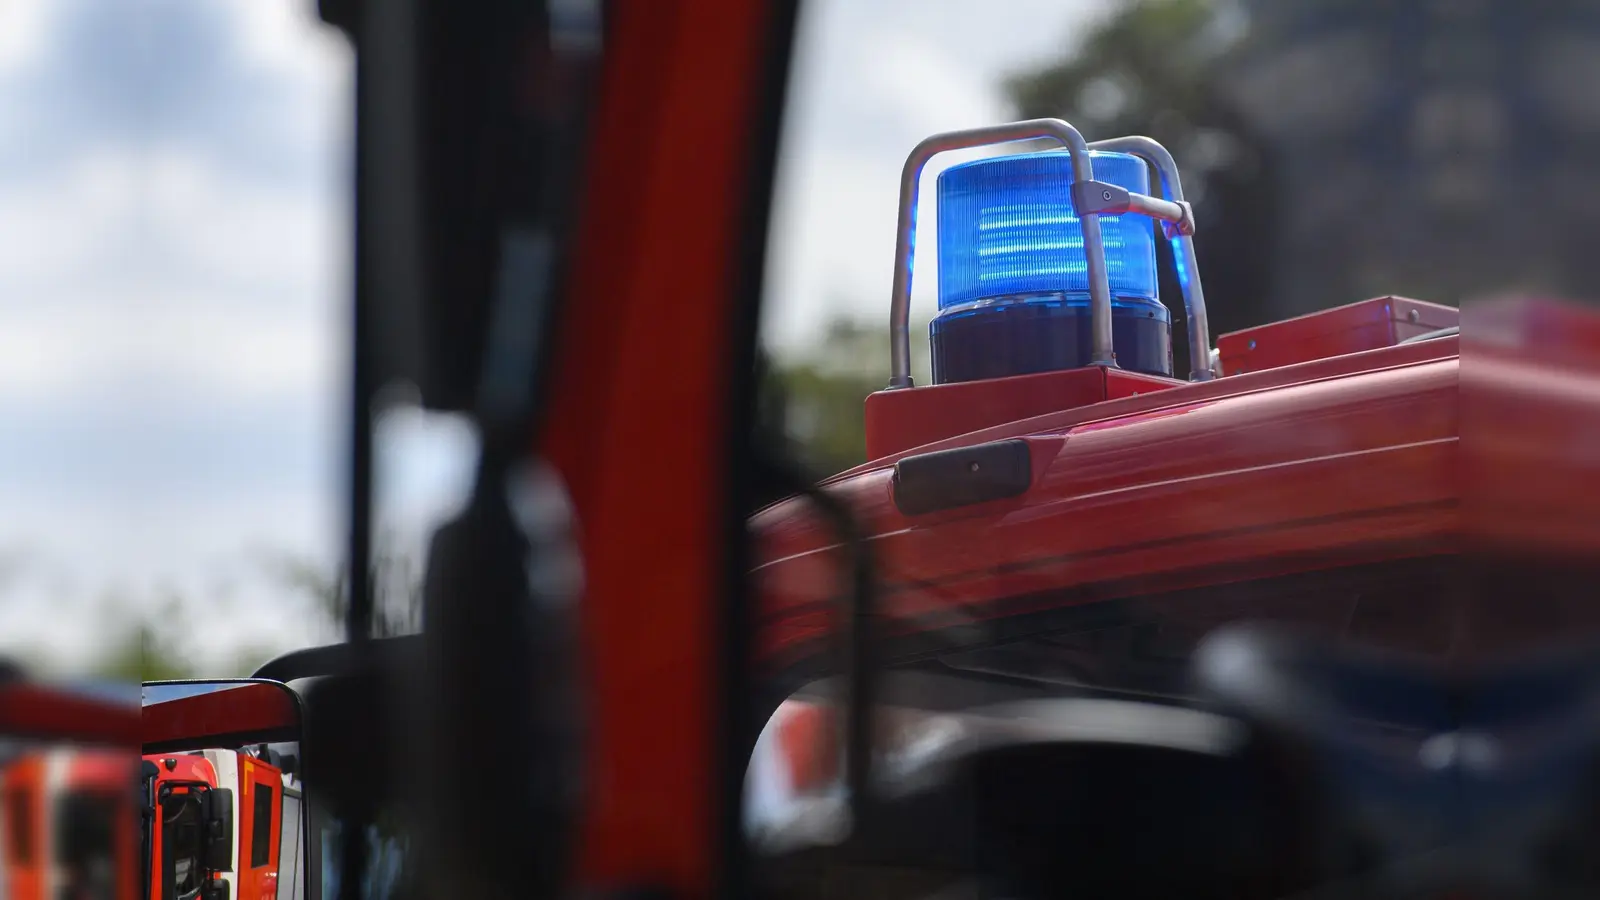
(945,479)
(218,814)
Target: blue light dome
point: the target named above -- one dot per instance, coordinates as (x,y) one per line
(1013,275)
(1006,228)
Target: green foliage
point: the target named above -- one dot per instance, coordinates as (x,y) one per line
(1147,69)
(143,653)
(150,647)
(818,399)
(397,585)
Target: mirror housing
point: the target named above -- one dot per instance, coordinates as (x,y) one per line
(215,739)
(229,713)
(216,853)
(147,774)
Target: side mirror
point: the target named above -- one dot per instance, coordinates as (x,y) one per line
(216,853)
(224,744)
(194,715)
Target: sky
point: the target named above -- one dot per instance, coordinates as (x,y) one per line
(871,78)
(166,693)
(174,241)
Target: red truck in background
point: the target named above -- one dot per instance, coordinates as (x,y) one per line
(67,826)
(214,826)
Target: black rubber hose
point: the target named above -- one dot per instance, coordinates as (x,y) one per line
(859,640)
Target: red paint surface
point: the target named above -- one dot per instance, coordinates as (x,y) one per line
(46,714)
(236,710)
(25,875)
(1189,393)
(644,361)
(808,742)
(1368,325)
(1242,472)
(257,882)
(901,420)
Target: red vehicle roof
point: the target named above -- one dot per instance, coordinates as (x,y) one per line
(183,767)
(1339,461)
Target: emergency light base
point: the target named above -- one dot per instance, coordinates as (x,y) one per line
(902,420)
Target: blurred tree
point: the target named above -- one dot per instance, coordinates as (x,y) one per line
(397,584)
(1154,67)
(245,661)
(814,402)
(143,653)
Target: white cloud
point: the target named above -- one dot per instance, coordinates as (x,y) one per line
(227,289)
(52,223)
(23,32)
(289,41)
(290,37)
(295,240)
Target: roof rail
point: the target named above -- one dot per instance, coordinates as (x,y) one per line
(1433,335)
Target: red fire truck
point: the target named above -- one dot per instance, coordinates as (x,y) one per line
(215,824)
(1059,516)
(67,825)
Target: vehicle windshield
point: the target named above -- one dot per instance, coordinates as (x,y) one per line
(181,841)
(85,838)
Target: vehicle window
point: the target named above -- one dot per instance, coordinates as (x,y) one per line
(386,870)
(181,838)
(291,872)
(85,841)
(85,824)
(19,824)
(261,836)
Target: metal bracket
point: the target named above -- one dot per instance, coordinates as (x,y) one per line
(1099,197)
(1104,199)
(1180,233)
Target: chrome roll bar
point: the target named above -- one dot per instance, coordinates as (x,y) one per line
(1090,200)
(1182,239)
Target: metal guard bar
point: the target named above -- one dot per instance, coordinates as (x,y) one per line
(1182,237)
(1172,210)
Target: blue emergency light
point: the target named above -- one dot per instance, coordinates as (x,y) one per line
(1013,276)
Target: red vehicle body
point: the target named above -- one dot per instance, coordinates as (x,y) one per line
(67,828)
(217,825)
(1328,486)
